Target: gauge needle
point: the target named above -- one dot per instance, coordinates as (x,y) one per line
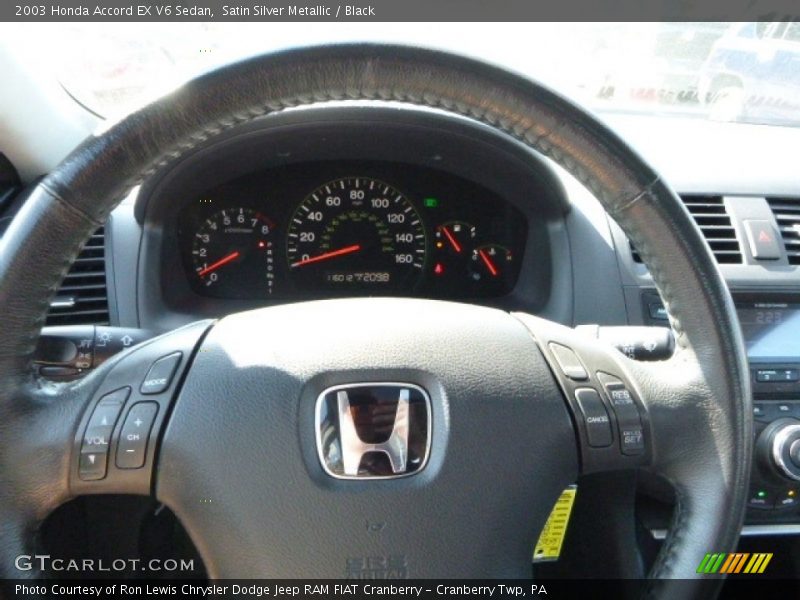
(488,262)
(327,255)
(218,264)
(451,239)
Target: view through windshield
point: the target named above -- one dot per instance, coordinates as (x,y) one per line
(741,72)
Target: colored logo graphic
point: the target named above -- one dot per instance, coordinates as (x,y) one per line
(734,563)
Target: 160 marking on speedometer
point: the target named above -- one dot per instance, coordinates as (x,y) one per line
(356,232)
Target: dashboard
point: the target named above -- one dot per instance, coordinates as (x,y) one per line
(343,201)
(332,229)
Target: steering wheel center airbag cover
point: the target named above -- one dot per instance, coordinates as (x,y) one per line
(242,441)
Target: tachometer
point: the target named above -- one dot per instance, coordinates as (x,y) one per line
(232,253)
(356,233)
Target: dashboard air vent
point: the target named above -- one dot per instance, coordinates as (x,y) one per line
(712,218)
(82,298)
(787,214)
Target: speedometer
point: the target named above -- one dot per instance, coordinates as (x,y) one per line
(356,233)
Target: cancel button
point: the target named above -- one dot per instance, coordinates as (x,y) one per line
(595,417)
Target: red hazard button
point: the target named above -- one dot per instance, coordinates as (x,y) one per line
(763,240)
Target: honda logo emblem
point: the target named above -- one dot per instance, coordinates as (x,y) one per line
(373,430)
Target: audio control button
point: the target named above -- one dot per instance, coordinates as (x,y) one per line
(778,448)
(132,448)
(794,453)
(93,460)
(159,377)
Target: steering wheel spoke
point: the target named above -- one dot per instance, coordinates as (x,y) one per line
(609,414)
(83,433)
(115,443)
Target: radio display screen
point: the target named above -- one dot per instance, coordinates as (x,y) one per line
(771,330)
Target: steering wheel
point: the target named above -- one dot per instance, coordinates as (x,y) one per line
(491,415)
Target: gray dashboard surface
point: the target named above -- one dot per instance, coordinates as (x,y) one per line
(604,284)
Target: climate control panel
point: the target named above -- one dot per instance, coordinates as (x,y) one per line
(775,481)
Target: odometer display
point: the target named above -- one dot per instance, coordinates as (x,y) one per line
(356,233)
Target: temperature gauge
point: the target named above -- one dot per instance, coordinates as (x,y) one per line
(492,266)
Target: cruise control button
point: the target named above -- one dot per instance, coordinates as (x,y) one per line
(631,432)
(132,447)
(569,362)
(631,440)
(598,426)
(160,374)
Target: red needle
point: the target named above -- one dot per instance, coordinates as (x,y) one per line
(327,255)
(488,262)
(449,236)
(219,263)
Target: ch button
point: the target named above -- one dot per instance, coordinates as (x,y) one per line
(132,447)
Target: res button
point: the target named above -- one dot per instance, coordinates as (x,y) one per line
(160,375)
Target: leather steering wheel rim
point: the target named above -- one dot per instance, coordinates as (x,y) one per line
(710,473)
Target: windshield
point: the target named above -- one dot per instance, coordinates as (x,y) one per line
(740,72)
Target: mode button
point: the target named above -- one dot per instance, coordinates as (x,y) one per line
(159,377)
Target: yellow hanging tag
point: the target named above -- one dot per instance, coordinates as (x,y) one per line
(552,537)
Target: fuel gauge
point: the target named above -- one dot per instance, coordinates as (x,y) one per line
(455,237)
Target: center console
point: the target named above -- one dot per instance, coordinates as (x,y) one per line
(771,328)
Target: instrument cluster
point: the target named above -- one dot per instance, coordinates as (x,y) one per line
(332,229)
